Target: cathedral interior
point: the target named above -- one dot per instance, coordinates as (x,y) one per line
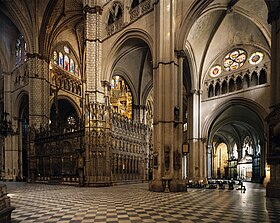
(110,93)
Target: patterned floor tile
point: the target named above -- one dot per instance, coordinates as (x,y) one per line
(135,203)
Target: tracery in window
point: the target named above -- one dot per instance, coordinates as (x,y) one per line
(247,147)
(25,51)
(235,59)
(256,58)
(21,50)
(18,51)
(149,110)
(115,13)
(66,49)
(77,69)
(72,66)
(60,59)
(71,120)
(55,57)
(66,61)
(121,97)
(215,71)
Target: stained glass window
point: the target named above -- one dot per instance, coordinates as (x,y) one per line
(55,58)
(77,69)
(256,58)
(235,59)
(72,66)
(60,59)
(71,120)
(18,51)
(66,49)
(215,71)
(25,51)
(66,62)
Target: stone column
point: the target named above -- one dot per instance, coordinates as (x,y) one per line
(96,97)
(7,142)
(198,162)
(273,119)
(39,110)
(209,152)
(168,103)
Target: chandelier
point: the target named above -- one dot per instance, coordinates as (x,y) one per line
(5,126)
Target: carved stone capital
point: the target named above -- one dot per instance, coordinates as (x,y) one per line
(37,55)
(93,10)
(106,84)
(180,54)
(196,92)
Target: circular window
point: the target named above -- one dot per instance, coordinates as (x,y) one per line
(256,58)
(215,71)
(235,59)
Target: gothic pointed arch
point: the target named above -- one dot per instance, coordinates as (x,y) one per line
(116,53)
(236,123)
(60,17)
(263,77)
(224,87)
(239,83)
(246,81)
(23,126)
(64,114)
(217,89)
(254,79)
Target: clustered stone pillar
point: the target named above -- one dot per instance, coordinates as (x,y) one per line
(197,160)
(97,155)
(38,103)
(168,102)
(273,119)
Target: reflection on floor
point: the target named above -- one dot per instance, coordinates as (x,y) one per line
(135,203)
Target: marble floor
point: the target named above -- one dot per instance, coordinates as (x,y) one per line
(135,203)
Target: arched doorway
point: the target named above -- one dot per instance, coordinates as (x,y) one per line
(58,147)
(220,161)
(64,116)
(237,144)
(65,119)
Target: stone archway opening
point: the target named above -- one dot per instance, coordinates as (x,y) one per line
(237,145)
(64,116)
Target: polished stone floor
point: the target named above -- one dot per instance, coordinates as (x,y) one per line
(135,203)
